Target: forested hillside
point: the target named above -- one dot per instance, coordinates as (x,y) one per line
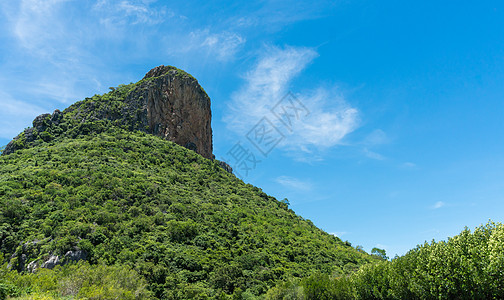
(175,220)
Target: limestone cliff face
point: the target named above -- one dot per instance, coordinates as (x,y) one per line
(167,102)
(176,108)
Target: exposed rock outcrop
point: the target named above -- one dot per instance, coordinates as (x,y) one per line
(29,135)
(52,262)
(225,166)
(176,108)
(75,256)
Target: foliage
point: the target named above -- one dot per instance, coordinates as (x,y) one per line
(189,228)
(467,266)
(380,253)
(79,281)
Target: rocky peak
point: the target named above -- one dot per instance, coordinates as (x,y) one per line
(159,71)
(167,102)
(176,108)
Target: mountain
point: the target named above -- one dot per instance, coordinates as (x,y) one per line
(125,182)
(167,102)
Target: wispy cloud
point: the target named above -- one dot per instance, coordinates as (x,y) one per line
(50,47)
(131,12)
(408,165)
(265,84)
(373,155)
(36,25)
(294,183)
(438,205)
(330,118)
(258,14)
(376,137)
(223,45)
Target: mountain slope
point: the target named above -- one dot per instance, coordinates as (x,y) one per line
(100,191)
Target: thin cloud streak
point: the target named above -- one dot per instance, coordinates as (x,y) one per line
(131,12)
(438,205)
(294,183)
(376,137)
(409,165)
(223,45)
(373,155)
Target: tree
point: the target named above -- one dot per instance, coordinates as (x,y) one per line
(381,253)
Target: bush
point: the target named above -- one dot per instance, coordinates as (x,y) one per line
(80,280)
(467,266)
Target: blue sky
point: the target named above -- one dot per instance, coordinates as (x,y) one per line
(399,139)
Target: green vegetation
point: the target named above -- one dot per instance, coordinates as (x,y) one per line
(75,281)
(130,199)
(467,266)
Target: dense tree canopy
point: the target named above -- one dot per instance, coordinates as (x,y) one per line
(181,222)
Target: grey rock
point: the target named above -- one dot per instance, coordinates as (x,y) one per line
(75,256)
(52,262)
(56,117)
(32,267)
(41,121)
(40,124)
(174,106)
(225,166)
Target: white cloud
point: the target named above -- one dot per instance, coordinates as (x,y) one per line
(37,26)
(373,155)
(438,205)
(223,45)
(121,13)
(408,165)
(376,137)
(294,183)
(329,119)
